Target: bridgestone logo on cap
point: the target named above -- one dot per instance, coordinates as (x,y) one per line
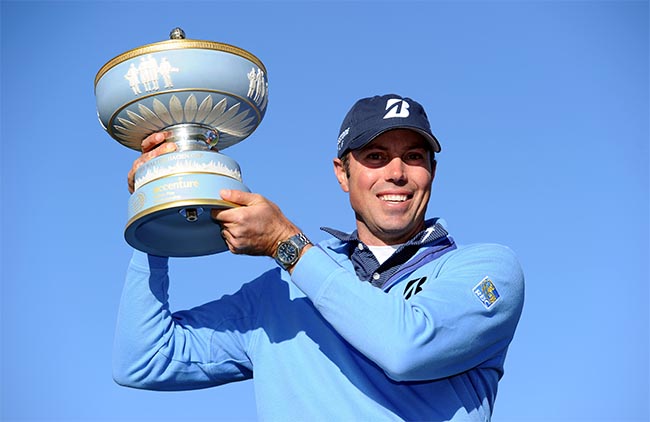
(396,108)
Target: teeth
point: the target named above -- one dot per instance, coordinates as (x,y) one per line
(393,198)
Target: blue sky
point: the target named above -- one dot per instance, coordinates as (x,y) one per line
(542,111)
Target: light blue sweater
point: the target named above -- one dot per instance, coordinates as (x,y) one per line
(321,345)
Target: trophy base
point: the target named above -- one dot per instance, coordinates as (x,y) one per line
(178,230)
(171,216)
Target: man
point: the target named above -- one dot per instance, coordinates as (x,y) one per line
(393,321)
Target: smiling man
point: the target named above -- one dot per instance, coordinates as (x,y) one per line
(393,321)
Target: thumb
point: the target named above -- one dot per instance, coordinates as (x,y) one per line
(237,196)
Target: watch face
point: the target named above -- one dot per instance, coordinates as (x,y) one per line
(287,252)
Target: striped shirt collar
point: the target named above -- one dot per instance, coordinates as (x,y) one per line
(433,232)
(366,265)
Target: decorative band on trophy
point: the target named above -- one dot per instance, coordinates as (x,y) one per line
(207,96)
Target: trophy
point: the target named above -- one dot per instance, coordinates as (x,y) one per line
(207,96)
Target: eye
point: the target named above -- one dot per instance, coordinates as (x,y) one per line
(415,156)
(374,156)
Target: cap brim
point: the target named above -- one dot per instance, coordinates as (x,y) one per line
(435,145)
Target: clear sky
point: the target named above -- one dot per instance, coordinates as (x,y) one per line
(542,112)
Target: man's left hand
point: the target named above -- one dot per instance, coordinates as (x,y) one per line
(255,227)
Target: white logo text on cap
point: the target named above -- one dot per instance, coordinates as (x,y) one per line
(396,108)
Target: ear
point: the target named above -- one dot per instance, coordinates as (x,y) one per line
(341,175)
(434,165)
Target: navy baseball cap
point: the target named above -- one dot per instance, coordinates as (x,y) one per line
(370,117)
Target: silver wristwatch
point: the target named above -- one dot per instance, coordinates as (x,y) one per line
(288,251)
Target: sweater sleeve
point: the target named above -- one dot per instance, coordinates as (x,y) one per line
(157,349)
(443,330)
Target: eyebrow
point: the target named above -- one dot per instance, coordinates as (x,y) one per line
(414,145)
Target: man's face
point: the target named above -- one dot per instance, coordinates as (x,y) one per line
(389,183)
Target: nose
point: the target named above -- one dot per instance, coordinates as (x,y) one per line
(396,170)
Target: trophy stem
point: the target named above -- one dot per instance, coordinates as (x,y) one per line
(192,137)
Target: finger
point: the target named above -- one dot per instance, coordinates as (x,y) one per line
(163,149)
(131,176)
(226,236)
(214,214)
(239,197)
(227,218)
(130,181)
(230,240)
(153,140)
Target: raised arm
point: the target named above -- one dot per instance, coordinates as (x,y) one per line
(157,349)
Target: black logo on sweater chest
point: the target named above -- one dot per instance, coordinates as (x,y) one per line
(413,287)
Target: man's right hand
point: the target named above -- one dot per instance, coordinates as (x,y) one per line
(152,146)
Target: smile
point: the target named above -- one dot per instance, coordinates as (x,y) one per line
(393,198)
